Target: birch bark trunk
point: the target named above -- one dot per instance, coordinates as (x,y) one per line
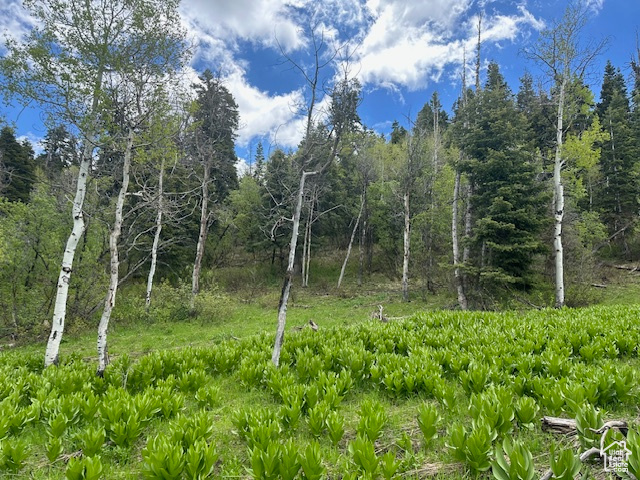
(558,201)
(462,298)
(466,251)
(288,279)
(406,244)
(114,236)
(353,235)
(308,255)
(363,239)
(64,278)
(156,237)
(202,236)
(306,248)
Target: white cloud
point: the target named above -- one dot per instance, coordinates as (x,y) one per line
(262,114)
(256,21)
(242,167)
(595,5)
(411,43)
(15,21)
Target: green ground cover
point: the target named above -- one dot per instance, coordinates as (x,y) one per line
(440,394)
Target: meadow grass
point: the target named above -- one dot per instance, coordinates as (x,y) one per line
(247,319)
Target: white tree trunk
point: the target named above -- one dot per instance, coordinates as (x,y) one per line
(62,292)
(558,202)
(306,248)
(202,236)
(353,235)
(361,252)
(466,251)
(286,288)
(308,254)
(406,245)
(114,237)
(462,298)
(156,237)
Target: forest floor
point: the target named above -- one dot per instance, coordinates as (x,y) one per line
(353,399)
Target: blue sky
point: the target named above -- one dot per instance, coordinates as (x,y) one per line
(402,51)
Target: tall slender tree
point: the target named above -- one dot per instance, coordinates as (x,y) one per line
(212,143)
(564,57)
(152,58)
(62,65)
(617,195)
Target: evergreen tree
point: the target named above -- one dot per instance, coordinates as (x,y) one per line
(259,162)
(17,167)
(398,133)
(617,195)
(212,145)
(539,117)
(60,150)
(508,201)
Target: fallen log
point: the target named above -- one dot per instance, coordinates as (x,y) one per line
(568,426)
(559,425)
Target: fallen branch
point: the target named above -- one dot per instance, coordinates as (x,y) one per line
(568,425)
(629,268)
(619,424)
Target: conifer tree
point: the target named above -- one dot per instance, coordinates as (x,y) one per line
(17,167)
(508,201)
(617,195)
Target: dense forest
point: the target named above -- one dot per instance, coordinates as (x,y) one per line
(512,192)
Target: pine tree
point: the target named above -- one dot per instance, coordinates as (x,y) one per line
(17,167)
(617,195)
(508,201)
(258,173)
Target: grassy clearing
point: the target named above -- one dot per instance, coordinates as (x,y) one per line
(213,402)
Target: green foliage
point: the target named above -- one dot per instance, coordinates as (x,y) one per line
(475,378)
(200,460)
(162,459)
(289,463)
(509,203)
(522,367)
(13,454)
(187,431)
(54,448)
(91,440)
(364,456)
(311,462)
(526,410)
(208,396)
(520,465)
(588,419)
(565,465)
(495,407)
(373,418)
(428,420)
(389,465)
(317,418)
(85,468)
(265,462)
(293,399)
(335,426)
(633,444)
(473,448)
